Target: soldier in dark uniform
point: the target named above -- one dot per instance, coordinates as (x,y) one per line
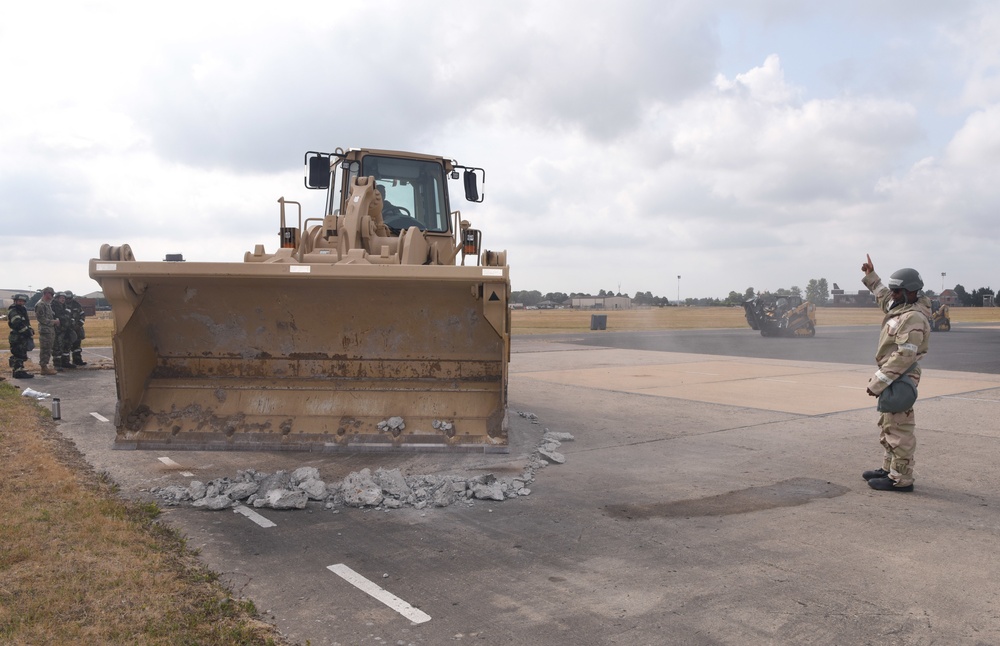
(20,336)
(64,333)
(76,316)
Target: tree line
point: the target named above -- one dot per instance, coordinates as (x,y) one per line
(817,291)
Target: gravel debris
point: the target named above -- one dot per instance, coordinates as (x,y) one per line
(384,489)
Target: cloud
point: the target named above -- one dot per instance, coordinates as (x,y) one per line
(629,141)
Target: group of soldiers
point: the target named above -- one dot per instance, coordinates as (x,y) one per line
(60,329)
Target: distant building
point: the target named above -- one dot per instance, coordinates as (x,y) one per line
(950,298)
(863,298)
(602,302)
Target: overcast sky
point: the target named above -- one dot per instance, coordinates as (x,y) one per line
(748,143)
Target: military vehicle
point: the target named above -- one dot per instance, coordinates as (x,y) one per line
(381,324)
(775,315)
(940,317)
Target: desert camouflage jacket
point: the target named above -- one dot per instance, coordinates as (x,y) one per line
(44,315)
(905,335)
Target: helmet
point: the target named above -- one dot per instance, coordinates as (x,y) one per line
(69,294)
(907,279)
(48,290)
(60,294)
(20,297)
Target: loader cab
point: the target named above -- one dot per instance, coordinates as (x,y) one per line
(414,188)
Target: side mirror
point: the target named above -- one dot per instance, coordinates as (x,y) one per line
(471,181)
(319,171)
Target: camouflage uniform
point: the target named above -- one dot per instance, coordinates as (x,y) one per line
(65,336)
(903,341)
(77,318)
(20,339)
(46,330)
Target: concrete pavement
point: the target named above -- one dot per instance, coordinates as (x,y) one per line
(707,499)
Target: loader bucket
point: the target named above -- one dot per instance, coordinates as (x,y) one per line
(286,356)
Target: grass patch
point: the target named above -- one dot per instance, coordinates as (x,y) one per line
(701,318)
(81,566)
(100,331)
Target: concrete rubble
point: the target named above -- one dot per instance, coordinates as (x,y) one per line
(381,489)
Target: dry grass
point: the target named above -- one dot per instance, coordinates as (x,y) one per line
(699,318)
(99,331)
(78,565)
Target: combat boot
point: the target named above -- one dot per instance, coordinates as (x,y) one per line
(887,484)
(23,374)
(875,473)
(48,371)
(78,359)
(67,364)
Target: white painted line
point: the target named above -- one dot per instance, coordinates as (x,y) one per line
(254,516)
(99,417)
(389,599)
(971,399)
(171,463)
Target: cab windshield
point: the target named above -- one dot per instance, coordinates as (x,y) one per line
(413,192)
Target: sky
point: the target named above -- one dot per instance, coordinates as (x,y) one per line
(731,143)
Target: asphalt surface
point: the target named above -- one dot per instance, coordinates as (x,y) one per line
(712,496)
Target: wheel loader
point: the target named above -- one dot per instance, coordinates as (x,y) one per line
(940,319)
(775,315)
(378,325)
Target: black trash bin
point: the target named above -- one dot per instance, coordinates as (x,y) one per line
(598,321)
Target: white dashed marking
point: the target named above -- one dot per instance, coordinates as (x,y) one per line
(361,583)
(254,516)
(171,463)
(99,417)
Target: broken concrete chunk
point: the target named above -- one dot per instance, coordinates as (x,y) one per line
(240,490)
(360,490)
(305,473)
(197,489)
(213,503)
(392,482)
(315,489)
(282,499)
(552,456)
(491,491)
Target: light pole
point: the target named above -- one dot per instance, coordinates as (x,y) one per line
(943,274)
(678,291)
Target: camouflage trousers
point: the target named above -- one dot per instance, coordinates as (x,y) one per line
(900,443)
(66,340)
(46,339)
(18,351)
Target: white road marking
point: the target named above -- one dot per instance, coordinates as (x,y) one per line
(99,417)
(254,516)
(171,463)
(970,399)
(389,599)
